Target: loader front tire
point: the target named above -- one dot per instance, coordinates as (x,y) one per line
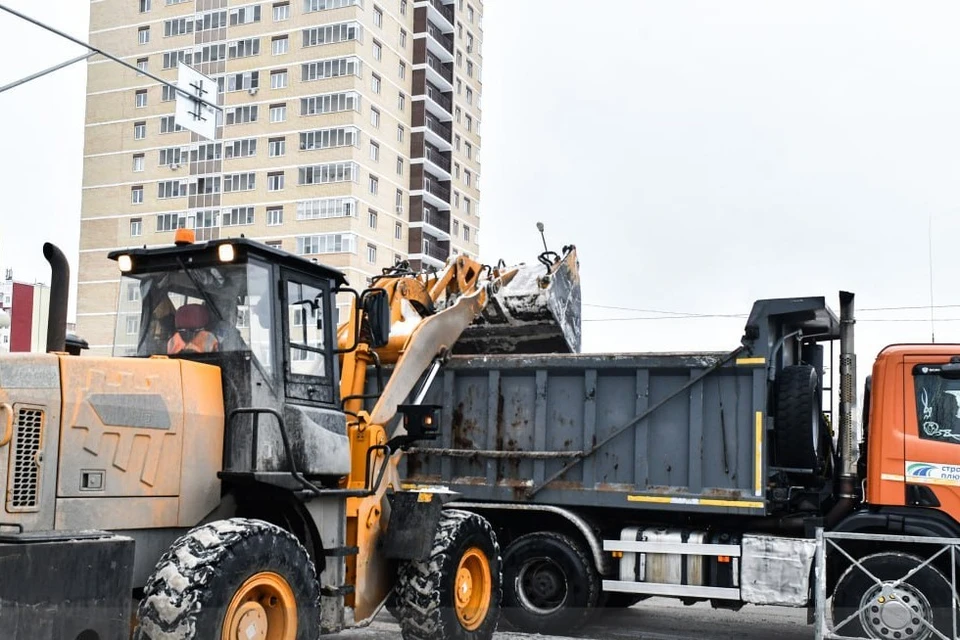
(455,593)
(232,579)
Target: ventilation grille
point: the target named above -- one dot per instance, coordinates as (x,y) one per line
(28,430)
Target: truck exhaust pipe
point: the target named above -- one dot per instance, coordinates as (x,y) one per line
(849,429)
(59,297)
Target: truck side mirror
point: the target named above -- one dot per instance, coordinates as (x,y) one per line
(376,308)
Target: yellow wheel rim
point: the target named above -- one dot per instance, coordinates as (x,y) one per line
(472,589)
(263,608)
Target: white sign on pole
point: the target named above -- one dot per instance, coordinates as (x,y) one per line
(190,113)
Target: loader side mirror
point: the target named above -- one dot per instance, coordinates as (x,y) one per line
(376,308)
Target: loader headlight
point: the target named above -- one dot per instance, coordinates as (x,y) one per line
(225,251)
(125,263)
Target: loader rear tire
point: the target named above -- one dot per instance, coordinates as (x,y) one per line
(798,418)
(455,593)
(550,585)
(232,579)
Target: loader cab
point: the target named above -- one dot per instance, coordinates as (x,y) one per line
(265,318)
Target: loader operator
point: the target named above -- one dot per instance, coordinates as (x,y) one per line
(192,335)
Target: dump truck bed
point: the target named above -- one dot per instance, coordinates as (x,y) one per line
(512,423)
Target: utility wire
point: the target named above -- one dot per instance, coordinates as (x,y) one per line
(110,56)
(40,74)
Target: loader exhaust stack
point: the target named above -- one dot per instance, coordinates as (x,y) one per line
(59,297)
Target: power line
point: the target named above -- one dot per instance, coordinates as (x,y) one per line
(90,47)
(689,314)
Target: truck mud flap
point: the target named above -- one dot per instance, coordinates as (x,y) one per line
(66,585)
(538,311)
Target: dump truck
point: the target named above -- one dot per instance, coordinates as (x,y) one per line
(223,467)
(610,478)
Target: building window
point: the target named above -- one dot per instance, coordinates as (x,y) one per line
(399,133)
(469,69)
(136,195)
(142,65)
(402,70)
(237,216)
(278,147)
(138,162)
(274,216)
(401,101)
(398,231)
(456,141)
(136,227)
(469,151)
(281,45)
(469,43)
(378,17)
(403,39)
(466,206)
(281,11)
(459,86)
(375,83)
(144,6)
(139,130)
(399,166)
(456,227)
(457,114)
(275,181)
(459,58)
(133,325)
(167,94)
(371,254)
(456,199)
(372,218)
(469,95)
(245,15)
(374,185)
(278,79)
(377,50)
(374,151)
(168,124)
(469,122)
(278,112)
(375,117)
(140,98)
(466,176)
(469,13)
(399,202)
(143,35)
(403,7)
(456,170)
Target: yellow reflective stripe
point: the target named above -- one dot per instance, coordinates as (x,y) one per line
(892,477)
(758,455)
(758,360)
(703,502)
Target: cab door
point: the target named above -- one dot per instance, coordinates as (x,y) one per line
(932,433)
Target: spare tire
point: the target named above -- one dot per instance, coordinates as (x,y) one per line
(798,418)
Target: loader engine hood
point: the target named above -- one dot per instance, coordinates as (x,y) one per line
(538,311)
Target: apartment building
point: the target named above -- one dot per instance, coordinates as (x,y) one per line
(350,135)
(24,311)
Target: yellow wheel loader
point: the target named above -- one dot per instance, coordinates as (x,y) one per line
(218,477)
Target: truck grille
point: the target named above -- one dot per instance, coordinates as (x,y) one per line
(28,429)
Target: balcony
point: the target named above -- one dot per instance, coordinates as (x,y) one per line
(431,221)
(440,13)
(437,96)
(435,132)
(435,156)
(433,187)
(439,73)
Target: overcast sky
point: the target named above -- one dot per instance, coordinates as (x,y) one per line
(700,155)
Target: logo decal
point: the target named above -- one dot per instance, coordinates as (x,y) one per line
(932,473)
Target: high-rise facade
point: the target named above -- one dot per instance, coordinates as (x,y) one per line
(350,134)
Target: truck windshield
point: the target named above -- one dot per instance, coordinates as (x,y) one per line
(937,403)
(217,308)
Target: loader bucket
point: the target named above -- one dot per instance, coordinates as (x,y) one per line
(538,311)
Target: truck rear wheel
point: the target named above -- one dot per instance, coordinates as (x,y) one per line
(549,584)
(892,610)
(232,580)
(798,418)
(455,593)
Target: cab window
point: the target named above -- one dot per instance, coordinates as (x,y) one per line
(938,403)
(308,357)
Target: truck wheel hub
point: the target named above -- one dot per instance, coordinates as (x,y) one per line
(896,612)
(541,586)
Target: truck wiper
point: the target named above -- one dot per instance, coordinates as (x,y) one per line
(203,292)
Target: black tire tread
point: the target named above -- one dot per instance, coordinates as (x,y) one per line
(796,446)
(419,606)
(177,589)
(581,615)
